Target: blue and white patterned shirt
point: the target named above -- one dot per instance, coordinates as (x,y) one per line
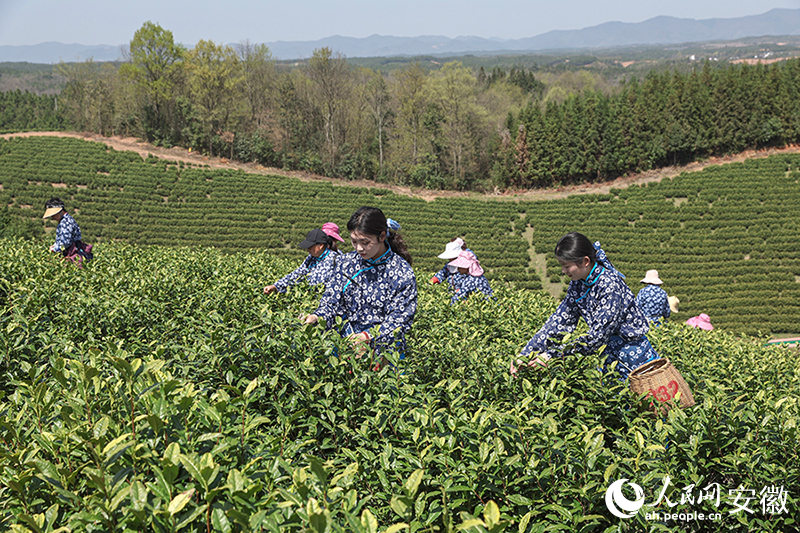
(314,269)
(371,293)
(607,305)
(654,302)
(67,232)
(463,284)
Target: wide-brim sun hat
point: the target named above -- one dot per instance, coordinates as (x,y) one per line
(50,211)
(702,321)
(651,276)
(315,236)
(452,249)
(332,230)
(467,260)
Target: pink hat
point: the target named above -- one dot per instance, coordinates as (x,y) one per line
(702,321)
(332,230)
(467,260)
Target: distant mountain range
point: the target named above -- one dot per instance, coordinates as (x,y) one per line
(658,30)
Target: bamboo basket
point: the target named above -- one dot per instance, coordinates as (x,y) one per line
(661,380)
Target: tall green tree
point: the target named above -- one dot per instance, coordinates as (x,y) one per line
(379,103)
(215,81)
(332,79)
(259,79)
(410,103)
(155,65)
(89,95)
(453,89)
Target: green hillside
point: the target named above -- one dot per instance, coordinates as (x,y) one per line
(724,240)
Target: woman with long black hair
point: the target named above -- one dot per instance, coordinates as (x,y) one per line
(373,288)
(597,293)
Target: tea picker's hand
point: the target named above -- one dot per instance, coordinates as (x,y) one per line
(309,319)
(539,360)
(360,342)
(269,289)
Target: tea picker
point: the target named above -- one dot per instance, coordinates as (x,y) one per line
(653,300)
(316,268)
(468,277)
(373,288)
(451,251)
(598,294)
(68,234)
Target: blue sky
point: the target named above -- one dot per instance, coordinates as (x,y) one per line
(114,22)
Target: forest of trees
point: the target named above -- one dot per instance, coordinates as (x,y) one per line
(453,127)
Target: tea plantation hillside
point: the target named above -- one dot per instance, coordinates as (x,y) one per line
(157,389)
(119,196)
(724,240)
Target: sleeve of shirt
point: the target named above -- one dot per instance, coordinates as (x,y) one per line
(399,312)
(561,322)
(665,304)
(606,314)
(294,277)
(443,274)
(63,236)
(485,287)
(323,271)
(330,305)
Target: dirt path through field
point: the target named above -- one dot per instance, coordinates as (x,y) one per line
(181,154)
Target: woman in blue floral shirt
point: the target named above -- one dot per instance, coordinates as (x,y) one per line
(68,234)
(373,287)
(316,268)
(468,277)
(653,299)
(451,251)
(597,293)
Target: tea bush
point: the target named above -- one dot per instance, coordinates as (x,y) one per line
(158,389)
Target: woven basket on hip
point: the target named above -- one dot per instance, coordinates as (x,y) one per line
(661,380)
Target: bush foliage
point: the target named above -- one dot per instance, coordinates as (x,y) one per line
(724,239)
(157,389)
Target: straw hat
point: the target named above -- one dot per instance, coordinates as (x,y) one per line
(452,249)
(651,276)
(673,303)
(50,211)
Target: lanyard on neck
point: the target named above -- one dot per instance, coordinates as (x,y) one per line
(590,284)
(315,260)
(372,264)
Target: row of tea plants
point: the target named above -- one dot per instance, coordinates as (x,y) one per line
(158,389)
(716,236)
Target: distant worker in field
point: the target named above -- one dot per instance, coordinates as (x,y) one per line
(316,268)
(68,234)
(332,231)
(468,277)
(702,321)
(451,251)
(373,287)
(653,299)
(598,293)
